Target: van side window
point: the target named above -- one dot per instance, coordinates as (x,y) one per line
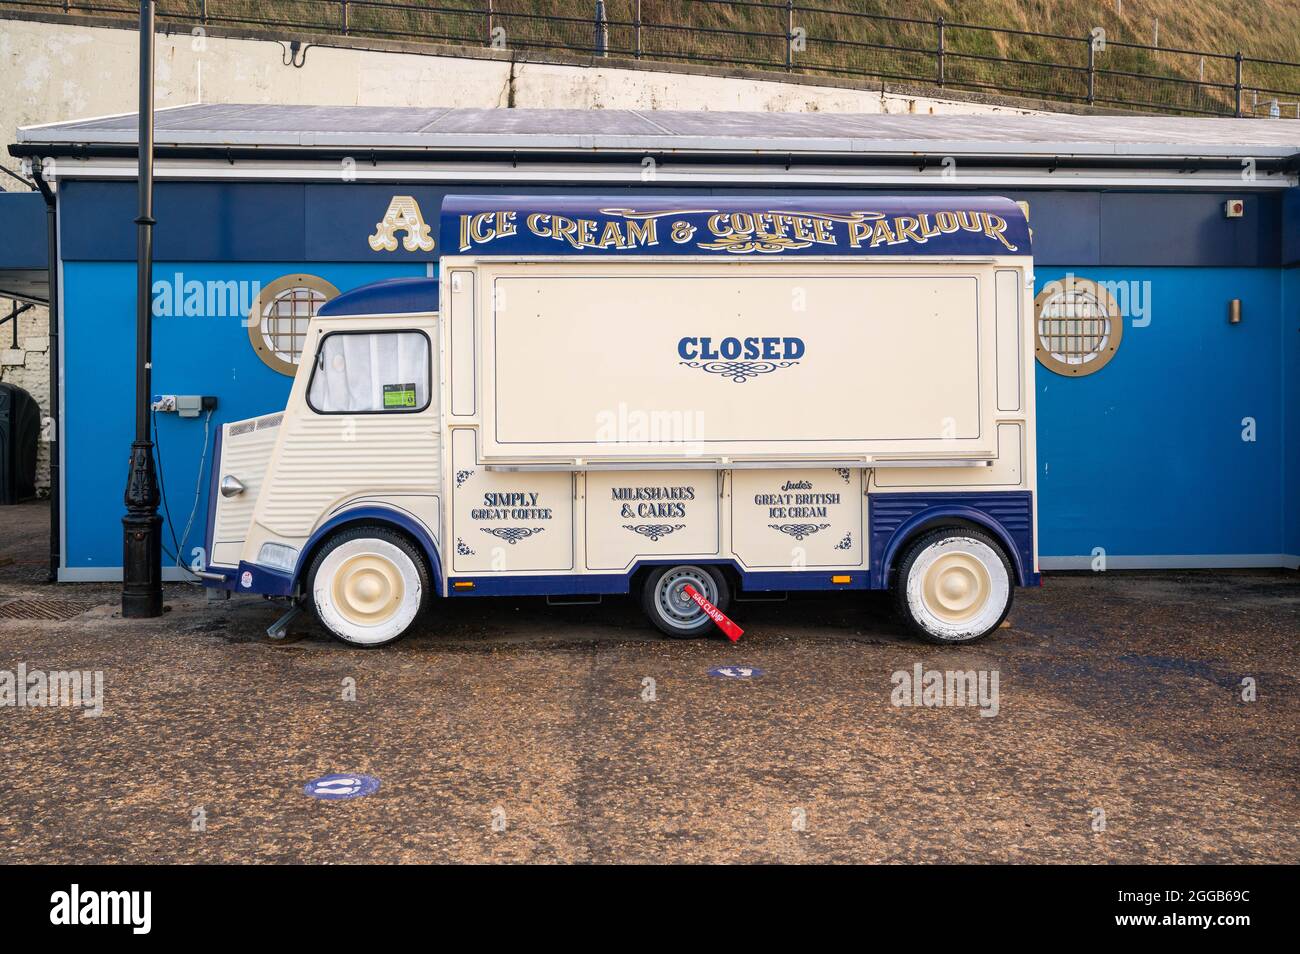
(360,373)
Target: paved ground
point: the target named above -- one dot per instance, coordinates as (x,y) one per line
(1117,693)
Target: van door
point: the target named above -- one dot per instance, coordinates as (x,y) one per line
(364,426)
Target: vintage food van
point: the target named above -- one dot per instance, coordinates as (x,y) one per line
(630,395)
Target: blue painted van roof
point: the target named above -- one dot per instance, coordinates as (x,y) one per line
(395,296)
(729,227)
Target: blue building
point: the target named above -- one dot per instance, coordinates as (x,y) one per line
(1167,257)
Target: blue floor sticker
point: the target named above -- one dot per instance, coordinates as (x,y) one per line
(336,787)
(735,672)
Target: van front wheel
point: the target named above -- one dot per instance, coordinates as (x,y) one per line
(953,586)
(367,585)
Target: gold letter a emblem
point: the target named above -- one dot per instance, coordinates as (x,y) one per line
(403,215)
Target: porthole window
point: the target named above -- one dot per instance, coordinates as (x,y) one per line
(1078,325)
(277,325)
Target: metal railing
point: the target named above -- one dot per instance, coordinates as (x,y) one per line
(782,35)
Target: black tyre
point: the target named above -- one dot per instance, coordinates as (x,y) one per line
(368,586)
(674,613)
(954,585)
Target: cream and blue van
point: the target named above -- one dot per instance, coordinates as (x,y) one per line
(606,395)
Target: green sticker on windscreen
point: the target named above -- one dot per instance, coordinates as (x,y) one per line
(399,395)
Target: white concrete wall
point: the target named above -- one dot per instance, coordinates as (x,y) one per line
(52,72)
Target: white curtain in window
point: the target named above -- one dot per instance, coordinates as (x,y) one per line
(352,371)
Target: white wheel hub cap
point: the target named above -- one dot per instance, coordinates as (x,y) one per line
(367,591)
(957,588)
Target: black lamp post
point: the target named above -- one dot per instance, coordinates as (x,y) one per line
(142,527)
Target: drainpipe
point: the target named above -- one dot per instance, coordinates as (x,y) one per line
(52,280)
(602,29)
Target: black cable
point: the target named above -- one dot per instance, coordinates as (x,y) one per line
(198,483)
(175,556)
(162,489)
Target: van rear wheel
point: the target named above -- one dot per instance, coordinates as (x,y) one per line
(367,585)
(664,599)
(954,586)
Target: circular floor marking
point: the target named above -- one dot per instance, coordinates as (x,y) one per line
(735,672)
(336,787)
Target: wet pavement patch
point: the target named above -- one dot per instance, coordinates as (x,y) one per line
(339,787)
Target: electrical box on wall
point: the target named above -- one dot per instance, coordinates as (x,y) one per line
(185,405)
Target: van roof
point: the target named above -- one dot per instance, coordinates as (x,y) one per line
(725,227)
(395,296)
